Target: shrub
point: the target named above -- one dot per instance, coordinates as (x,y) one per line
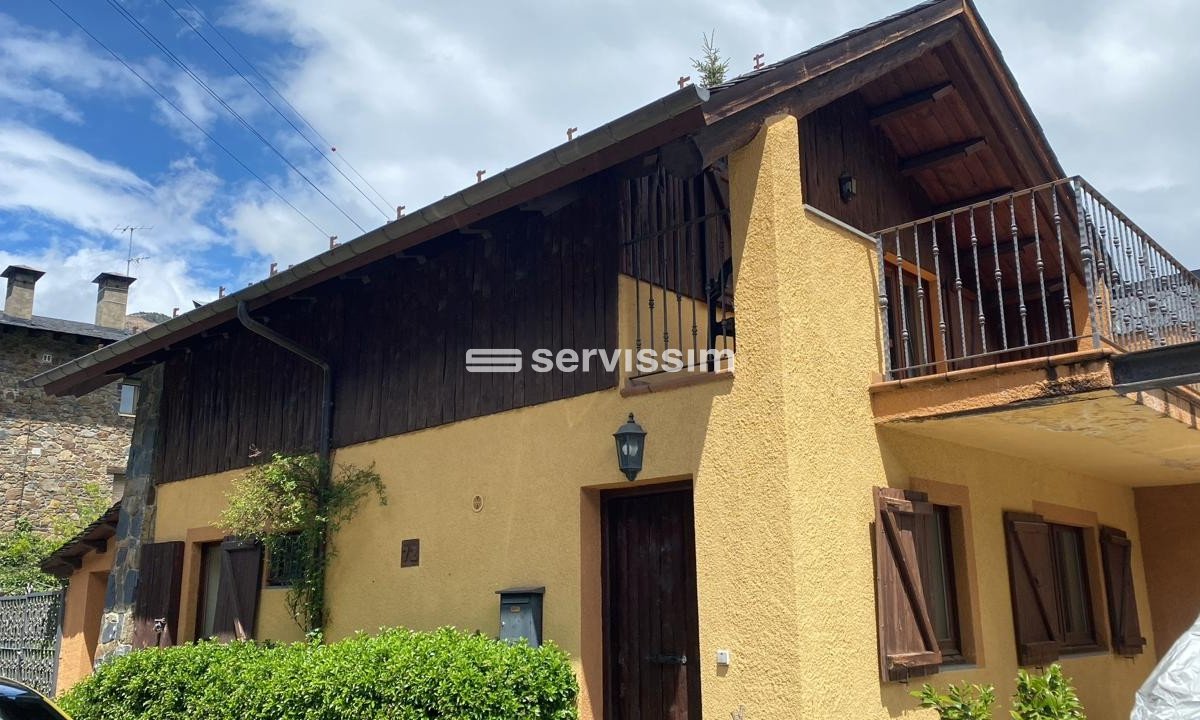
(23,548)
(286,504)
(1046,697)
(961,702)
(397,675)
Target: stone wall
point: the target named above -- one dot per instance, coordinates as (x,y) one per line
(51,448)
(135,524)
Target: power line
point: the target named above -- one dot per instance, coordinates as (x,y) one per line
(287,102)
(275,108)
(187,117)
(220,100)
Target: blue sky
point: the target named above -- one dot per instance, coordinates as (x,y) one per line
(420,96)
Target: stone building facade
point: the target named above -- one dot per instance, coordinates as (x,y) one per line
(54,451)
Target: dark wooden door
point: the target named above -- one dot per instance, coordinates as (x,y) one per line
(652,644)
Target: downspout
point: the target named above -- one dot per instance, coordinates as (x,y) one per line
(325,429)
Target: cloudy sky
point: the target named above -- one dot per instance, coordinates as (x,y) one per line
(418,96)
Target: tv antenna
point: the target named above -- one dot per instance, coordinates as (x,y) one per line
(129,258)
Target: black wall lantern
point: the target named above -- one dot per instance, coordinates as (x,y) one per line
(631,447)
(847,187)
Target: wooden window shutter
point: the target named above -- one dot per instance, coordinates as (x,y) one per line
(1034,590)
(238,591)
(1116,551)
(908,645)
(156,605)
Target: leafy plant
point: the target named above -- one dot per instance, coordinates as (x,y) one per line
(961,702)
(23,548)
(288,506)
(1047,696)
(21,552)
(711,67)
(397,674)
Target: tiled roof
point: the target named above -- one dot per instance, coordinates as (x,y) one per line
(71,327)
(60,561)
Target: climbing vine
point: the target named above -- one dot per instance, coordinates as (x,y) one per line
(286,505)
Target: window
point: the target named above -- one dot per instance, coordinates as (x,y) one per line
(935,556)
(210,587)
(916,597)
(285,564)
(129,398)
(230,581)
(1048,566)
(1074,591)
(47,358)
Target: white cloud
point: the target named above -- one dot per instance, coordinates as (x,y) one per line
(420,97)
(41,177)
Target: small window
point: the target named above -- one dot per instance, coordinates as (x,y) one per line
(935,554)
(286,563)
(1074,588)
(210,585)
(47,358)
(129,398)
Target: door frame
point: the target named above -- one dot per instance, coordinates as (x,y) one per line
(606,496)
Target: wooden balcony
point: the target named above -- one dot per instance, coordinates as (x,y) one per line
(1044,324)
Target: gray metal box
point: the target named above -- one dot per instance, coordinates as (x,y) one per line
(521,614)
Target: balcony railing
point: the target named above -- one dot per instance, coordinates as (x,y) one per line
(677,261)
(1013,278)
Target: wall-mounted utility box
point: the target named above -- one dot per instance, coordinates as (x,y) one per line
(521,614)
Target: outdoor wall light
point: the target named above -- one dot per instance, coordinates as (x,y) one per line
(847,187)
(631,447)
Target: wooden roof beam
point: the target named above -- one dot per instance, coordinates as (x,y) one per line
(689,156)
(98,545)
(910,103)
(963,203)
(941,156)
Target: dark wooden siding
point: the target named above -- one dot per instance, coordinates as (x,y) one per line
(839,138)
(396,334)
(675,232)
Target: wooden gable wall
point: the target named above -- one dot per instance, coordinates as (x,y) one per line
(396,334)
(839,138)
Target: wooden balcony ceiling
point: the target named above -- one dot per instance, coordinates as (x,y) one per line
(959,126)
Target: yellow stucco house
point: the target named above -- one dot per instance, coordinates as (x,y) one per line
(932,419)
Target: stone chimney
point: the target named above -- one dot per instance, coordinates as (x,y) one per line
(111,299)
(18,299)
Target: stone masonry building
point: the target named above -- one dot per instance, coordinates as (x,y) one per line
(52,449)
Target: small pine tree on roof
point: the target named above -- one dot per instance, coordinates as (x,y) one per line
(711,67)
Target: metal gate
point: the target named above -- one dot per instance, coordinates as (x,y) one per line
(30,631)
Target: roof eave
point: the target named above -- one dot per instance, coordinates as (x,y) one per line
(681,108)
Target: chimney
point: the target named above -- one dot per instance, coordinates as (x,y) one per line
(112,299)
(18,299)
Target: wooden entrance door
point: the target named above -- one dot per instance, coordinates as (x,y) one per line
(652,643)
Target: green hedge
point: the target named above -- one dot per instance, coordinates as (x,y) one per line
(398,675)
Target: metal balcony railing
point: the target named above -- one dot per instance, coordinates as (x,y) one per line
(1013,277)
(676,250)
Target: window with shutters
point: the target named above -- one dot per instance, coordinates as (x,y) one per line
(910,645)
(230,584)
(1053,610)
